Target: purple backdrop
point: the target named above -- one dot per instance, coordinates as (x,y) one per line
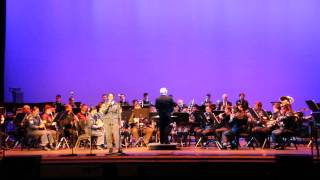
(266,48)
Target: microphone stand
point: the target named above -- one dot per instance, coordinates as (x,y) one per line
(120,152)
(72,146)
(4,140)
(72,152)
(91,154)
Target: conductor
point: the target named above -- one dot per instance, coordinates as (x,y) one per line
(164,105)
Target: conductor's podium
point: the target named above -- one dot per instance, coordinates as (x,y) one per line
(158,146)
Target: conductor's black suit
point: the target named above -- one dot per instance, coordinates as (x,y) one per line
(164,105)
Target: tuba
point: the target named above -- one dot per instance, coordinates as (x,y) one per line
(286,100)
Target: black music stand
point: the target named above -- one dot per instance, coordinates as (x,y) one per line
(141,114)
(217,112)
(202,108)
(253,113)
(315,127)
(313,106)
(76,110)
(180,118)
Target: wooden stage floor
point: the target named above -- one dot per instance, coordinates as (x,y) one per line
(144,154)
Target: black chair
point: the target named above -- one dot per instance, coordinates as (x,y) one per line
(211,138)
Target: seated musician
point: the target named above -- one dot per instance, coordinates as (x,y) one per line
(208,124)
(222,104)
(97,126)
(59,106)
(195,120)
(122,100)
(84,121)
(242,101)
(239,122)
(26,110)
(276,110)
(224,124)
(261,129)
(285,122)
(72,102)
(104,99)
(48,120)
(207,101)
(134,123)
(68,124)
(145,101)
(20,122)
(36,129)
(181,106)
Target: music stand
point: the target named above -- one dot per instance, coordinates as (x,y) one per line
(76,110)
(202,108)
(313,106)
(217,112)
(315,126)
(141,114)
(180,118)
(253,113)
(72,150)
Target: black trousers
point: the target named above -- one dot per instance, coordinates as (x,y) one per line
(164,126)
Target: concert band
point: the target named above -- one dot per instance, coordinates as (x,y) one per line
(152,123)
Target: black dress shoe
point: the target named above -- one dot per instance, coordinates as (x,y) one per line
(110,151)
(51,147)
(120,151)
(276,146)
(45,148)
(224,147)
(280,147)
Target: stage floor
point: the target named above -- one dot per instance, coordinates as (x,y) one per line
(139,154)
(141,161)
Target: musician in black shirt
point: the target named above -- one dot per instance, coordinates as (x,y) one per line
(123,101)
(59,106)
(145,101)
(207,125)
(244,103)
